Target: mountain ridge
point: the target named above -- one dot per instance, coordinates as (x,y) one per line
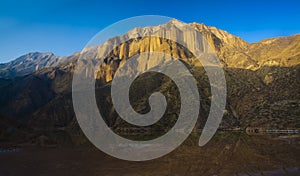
(216,38)
(27,64)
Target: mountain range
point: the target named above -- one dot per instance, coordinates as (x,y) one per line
(262,78)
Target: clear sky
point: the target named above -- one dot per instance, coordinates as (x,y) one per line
(65,26)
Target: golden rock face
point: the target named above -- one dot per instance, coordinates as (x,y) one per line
(233,51)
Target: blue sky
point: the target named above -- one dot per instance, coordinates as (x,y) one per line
(65,26)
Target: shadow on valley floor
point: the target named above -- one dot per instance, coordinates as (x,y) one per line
(230,153)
